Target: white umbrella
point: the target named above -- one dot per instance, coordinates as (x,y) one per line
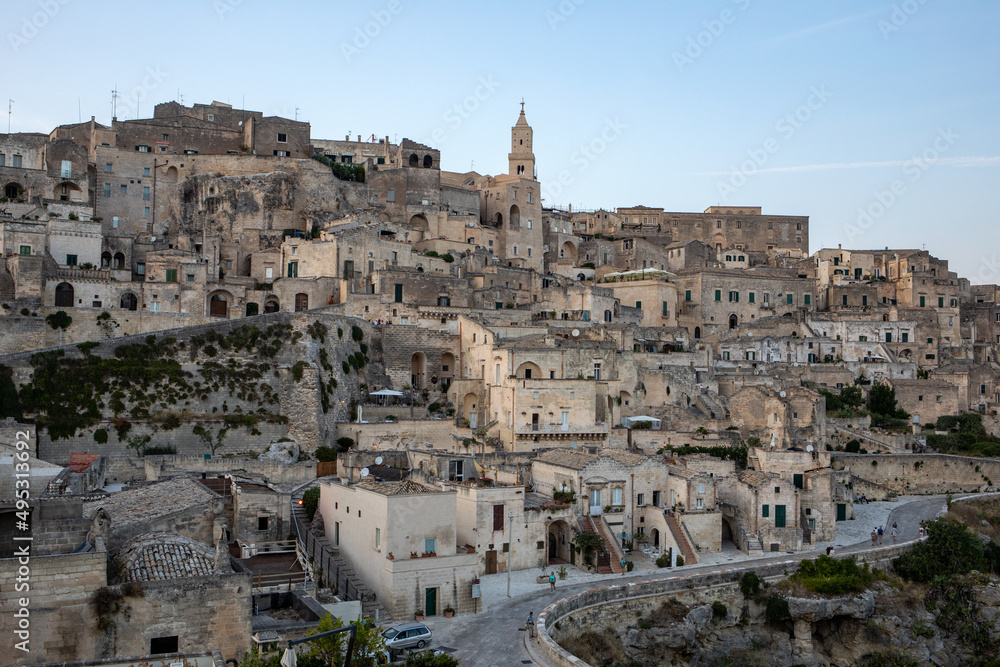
(288,659)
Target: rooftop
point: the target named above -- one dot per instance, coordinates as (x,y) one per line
(163,556)
(402,488)
(150,502)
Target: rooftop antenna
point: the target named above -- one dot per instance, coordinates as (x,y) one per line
(296,114)
(10,109)
(114,103)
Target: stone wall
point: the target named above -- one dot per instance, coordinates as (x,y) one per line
(161,467)
(922,473)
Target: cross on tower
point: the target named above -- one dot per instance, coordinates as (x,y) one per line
(522,105)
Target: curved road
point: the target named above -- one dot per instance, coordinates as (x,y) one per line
(496,637)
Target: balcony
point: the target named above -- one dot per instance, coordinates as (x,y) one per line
(560,429)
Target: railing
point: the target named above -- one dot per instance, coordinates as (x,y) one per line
(527,429)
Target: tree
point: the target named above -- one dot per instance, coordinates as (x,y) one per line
(882,400)
(10,404)
(310,502)
(587,541)
(368,642)
(59,320)
(852,397)
(212,441)
(138,443)
(950,548)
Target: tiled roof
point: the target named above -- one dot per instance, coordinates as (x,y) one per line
(162,556)
(753,477)
(620,455)
(403,488)
(152,501)
(567,458)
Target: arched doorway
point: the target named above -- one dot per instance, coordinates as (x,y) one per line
(447,365)
(568,252)
(559,547)
(105,260)
(733,321)
(499,220)
(67,192)
(528,371)
(418,370)
(119,261)
(654,538)
(414,160)
(428,162)
(252,309)
(301,302)
(470,410)
(419,222)
(11,191)
(129,302)
(515,217)
(218,306)
(64,295)
(271,306)
(697,332)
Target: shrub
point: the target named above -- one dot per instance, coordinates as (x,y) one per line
(663,561)
(680,560)
(100,436)
(646,624)
(719,611)
(750,584)
(434,407)
(629,566)
(344,443)
(429,659)
(326,454)
(950,548)
(826,575)
(777,609)
(563,496)
(59,320)
(357,333)
(310,501)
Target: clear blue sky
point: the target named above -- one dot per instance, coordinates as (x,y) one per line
(802,108)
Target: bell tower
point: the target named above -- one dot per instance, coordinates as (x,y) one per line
(521,157)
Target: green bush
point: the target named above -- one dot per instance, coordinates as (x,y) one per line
(646,624)
(428,659)
(344,443)
(310,502)
(828,576)
(357,333)
(736,453)
(750,584)
(59,320)
(100,436)
(326,454)
(680,560)
(663,561)
(434,407)
(719,611)
(563,496)
(777,609)
(950,548)
(629,566)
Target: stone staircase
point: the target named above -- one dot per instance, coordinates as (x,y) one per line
(681,537)
(610,543)
(603,552)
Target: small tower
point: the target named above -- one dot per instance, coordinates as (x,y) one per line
(522,158)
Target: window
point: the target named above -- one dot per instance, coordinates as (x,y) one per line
(687,295)
(718,295)
(107,167)
(66,169)
(269,272)
(923,301)
(640,499)
(930,341)
(262,523)
(140,268)
(114,222)
(189,277)
(144,149)
(734,297)
(638,305)
(752,298)
(954,303)
(166,137)
(982,389)
(282,138)
(171,275)
(429,545)
(154,306)
(616,496)
(666,312)
(145,211)
(701,487)
(656,498)
(3,159)
(725,355)
(790,299)
(293,269)
(107,189)
(765,511)
(391,196)
(123,188)
(282,153)
(699,503)
(807,299)
(906,336)
(70,260)
(24,250)
(145,193)
(378,538)
(399,293)
(159,645)
(17,162)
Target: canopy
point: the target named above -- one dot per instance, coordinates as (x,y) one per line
(386,392)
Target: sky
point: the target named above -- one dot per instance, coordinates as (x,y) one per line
(878,120)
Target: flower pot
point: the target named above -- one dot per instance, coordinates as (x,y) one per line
(418,617)
(449,614)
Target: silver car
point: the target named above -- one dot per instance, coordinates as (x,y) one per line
(407,635)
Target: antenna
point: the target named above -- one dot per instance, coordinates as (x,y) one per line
(10,107)
(296,114)
(114,103)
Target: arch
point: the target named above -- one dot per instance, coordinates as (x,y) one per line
(272,305)
(719,241)
(119,261)
(171,175)
(470,409)
(697,332)
(218,305)
(12,190)
(568,251)
(625,398)
(515,217)
(529,370)
(128,301)
(559,538)
(414,160)
(105,259)
(654,537)
(581,276)
(428,162)
(67,191)
(253,308)
(418,370)
(419,221)
(499,220)
(64,295)
(733,321)
(447,365)
(301,302)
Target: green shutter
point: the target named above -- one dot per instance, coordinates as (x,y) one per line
(752,297)
(718,295)
(665,311)
(171,275)
(807,299)
(779,516)
(687,295)
(790,299)
(765,511)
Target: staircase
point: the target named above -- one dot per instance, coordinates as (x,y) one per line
(604,559)
(604,530)
(680,534)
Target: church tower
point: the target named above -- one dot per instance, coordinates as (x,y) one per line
(522,159)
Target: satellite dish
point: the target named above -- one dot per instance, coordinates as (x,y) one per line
(749,334)
(782,394)
(576,332)
(152,240)
(809,448)
(364,472)
(378,461)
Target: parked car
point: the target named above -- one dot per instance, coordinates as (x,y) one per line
(407,635)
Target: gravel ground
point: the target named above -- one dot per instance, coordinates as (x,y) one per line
(522,582)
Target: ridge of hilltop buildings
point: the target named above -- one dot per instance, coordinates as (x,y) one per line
(211,320)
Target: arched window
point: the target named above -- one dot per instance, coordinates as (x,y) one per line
(129,302)
(271,306)
(119,261)
(301,302)
(10,191)
(428,162)
(105,260)
(697,332)
(515,217)
(64,295)
(414,160)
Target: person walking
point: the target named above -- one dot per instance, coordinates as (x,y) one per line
(552,580)
(529,624)
(623,565)
(874,536)
(880,534)
(894,533)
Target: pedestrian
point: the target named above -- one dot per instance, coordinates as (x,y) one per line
(874,536)
(529,625)
(623,566)
(893,532)
(552,580)
(920,533)
(894,525)
(830,550)
(880,534)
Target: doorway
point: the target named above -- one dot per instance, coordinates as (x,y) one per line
(491,561)
(430,601)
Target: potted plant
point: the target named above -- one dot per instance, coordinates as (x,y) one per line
(391,557)
(418,615)
(449,612)
(413,554)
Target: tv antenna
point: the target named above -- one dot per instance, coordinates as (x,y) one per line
(296,114)
(10,109)
(114,103)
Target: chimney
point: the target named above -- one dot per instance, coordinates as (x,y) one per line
(359,138)
(571,208)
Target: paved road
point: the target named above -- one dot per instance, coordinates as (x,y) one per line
(496,639)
